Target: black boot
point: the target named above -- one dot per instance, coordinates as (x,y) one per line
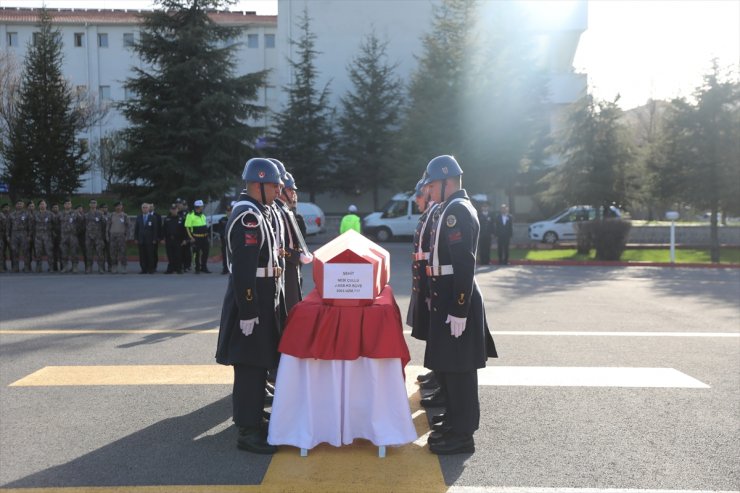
(252,440)
(453,443)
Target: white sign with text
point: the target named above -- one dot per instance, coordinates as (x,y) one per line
(348,281)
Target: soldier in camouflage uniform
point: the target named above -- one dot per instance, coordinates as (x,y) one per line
(18,232)
(94,233)
(56,240)
(69,223)
(106,240)
(118,232)
(3,236)
(31,209)
(43,224)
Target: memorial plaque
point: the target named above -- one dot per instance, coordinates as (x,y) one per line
(350,270)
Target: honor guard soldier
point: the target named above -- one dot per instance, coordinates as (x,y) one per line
(418,314)
(458,342)
(250,322)
(197,229)
(295,251)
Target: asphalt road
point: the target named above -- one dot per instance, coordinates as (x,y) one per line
(532,435)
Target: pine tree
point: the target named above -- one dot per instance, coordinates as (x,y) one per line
(303,133)
(42,154)
(370,118)
(189,134)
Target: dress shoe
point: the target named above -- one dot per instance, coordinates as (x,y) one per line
(253,440)
(424,377)
(429,384)
(435,399)
(439,435)
(438,418)
(453,443)
(205,271)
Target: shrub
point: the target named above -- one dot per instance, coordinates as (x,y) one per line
(607,236)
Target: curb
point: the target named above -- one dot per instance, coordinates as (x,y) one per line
(604,263)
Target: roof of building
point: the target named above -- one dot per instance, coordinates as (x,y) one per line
(23,15)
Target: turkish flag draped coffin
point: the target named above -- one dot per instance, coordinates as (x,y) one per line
(351,270)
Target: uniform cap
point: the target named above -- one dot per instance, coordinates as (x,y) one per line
(289,181)
(173,206)
(198,203)
(280,166)
(261,170)
(353,208)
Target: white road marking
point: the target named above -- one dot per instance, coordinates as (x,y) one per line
(512,489)
(553,376)
(735,335)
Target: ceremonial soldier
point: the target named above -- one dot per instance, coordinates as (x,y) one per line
(43,226)
(94,231)
(19,225)
(118,232)
(250,321)
(221,227)
(3,236)
(458,341)
(295,251)
(418,314)
(69,224)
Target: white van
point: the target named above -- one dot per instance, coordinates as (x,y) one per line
(561,226)
(398,217)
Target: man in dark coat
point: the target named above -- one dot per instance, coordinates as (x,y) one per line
(486,231)
(458,342)
(504,230)
(250,321)
(146,232)
(173,229)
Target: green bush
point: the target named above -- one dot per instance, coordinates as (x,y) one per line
(607,236)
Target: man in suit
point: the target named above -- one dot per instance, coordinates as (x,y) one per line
(504,230)
(147,233)
(458,340)
(486,231)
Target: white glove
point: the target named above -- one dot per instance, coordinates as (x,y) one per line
(457,325)
(306,258)
(247,326)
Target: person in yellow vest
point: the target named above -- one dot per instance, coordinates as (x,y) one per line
(350,221)
(197,228)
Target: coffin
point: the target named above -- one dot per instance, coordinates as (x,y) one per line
(350,270)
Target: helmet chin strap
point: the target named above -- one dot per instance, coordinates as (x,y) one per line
(442,191)
(262,191)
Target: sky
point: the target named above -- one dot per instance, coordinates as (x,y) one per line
(639,49)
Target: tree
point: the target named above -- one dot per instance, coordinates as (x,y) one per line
(438,88)
(371,114)
(595,153)
(42,154)
(698,160)
(105,157)
(189,134)
(303,132)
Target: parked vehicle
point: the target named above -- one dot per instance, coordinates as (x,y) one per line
(561,226)
(312,215)
(398,217)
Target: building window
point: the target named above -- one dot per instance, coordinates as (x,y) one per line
(36,38)
(252,41)
(128,40)
(103,40)
(12,39)
(105,93)
(269,41)
(79,40)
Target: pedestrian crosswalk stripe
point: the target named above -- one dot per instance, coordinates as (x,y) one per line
(104,331)
(129,375)
(574,333)
(556,376)
(517,489)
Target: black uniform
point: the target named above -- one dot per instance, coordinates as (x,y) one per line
(186,253)
(455,360)
(291,244)
(504,231)
(252,291)
(221,228)
(484,239)
(174,232)
(418,314)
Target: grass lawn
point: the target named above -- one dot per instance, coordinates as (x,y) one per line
(683,255)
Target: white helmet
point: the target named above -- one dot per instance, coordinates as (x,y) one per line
(353,208)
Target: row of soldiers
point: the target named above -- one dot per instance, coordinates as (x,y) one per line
(34,232)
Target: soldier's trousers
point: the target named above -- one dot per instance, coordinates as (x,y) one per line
(18,249)
(461,393)
(70,248)
(248,397)
(201,248)
(94,248)
(44,247)
(118,249)
(57,255)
